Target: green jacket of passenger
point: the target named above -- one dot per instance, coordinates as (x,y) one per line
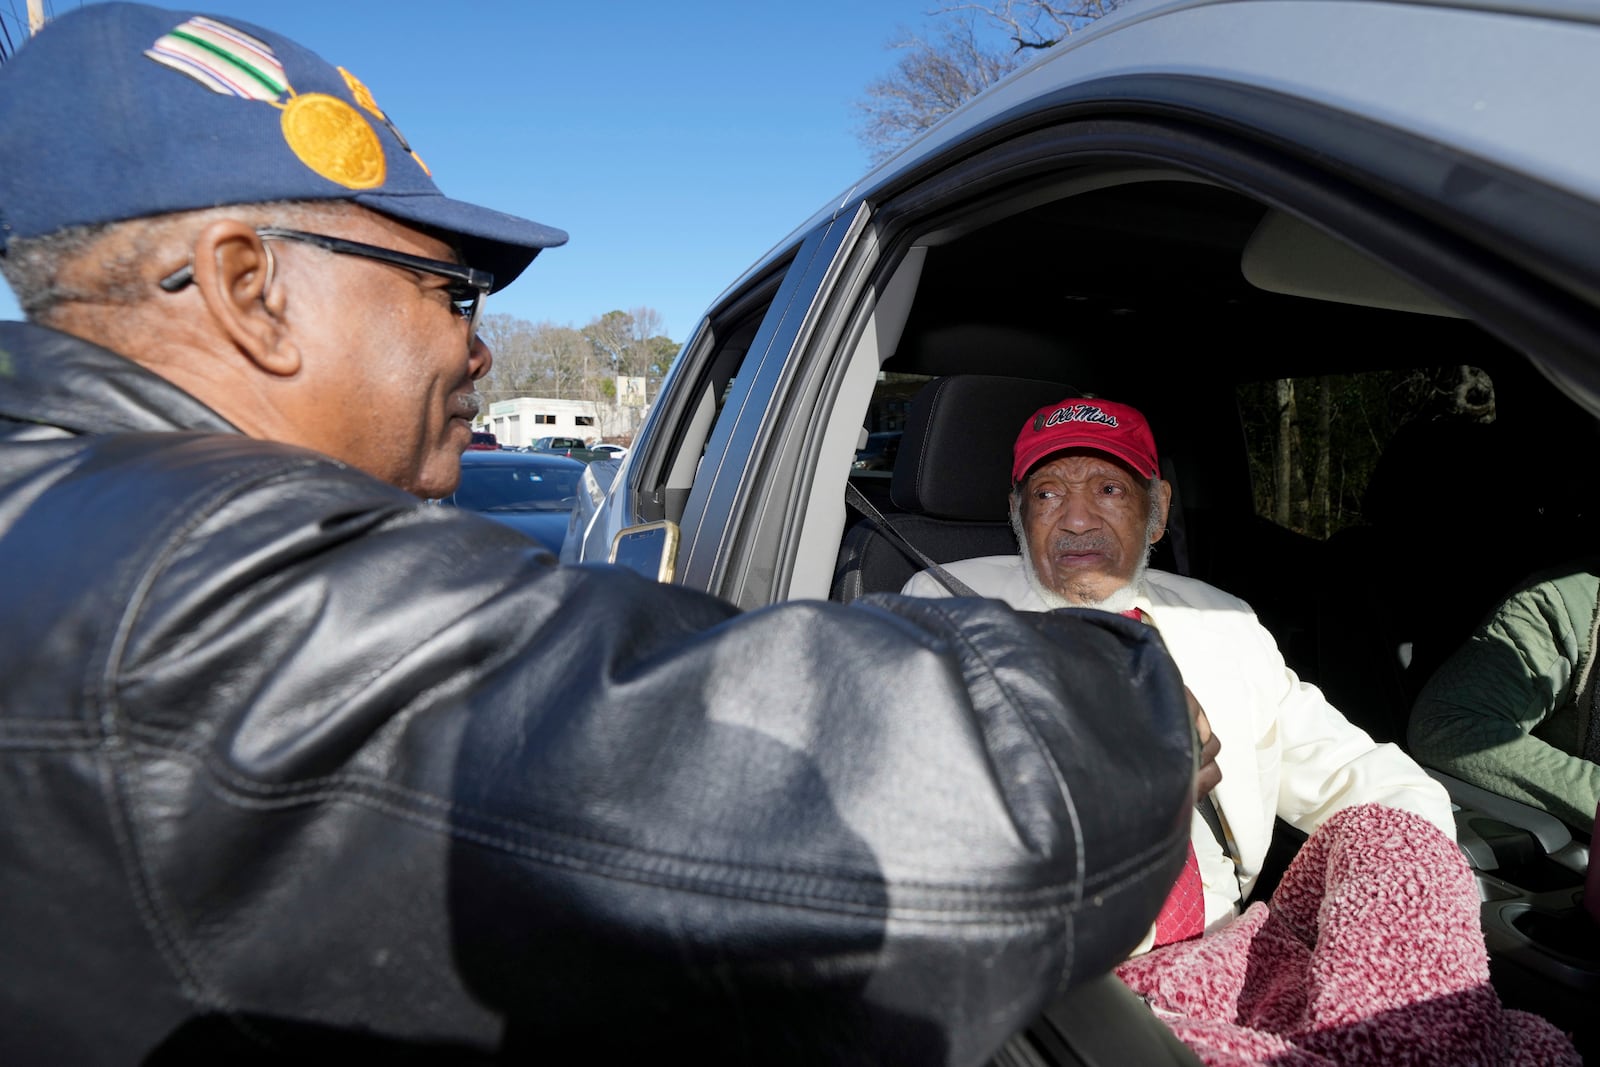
(1509,711)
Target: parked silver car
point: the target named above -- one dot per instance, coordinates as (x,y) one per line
(1312,241)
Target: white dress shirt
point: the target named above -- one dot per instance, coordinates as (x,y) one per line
(1285,750)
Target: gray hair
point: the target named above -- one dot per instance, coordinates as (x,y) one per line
(34,266)
(37,268)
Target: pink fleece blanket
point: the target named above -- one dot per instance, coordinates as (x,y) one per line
(1370,952)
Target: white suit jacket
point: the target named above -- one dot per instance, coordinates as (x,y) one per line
(1285,750)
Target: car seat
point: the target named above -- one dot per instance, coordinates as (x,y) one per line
(949,487)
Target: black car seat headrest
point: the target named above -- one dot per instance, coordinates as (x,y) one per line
(955,456)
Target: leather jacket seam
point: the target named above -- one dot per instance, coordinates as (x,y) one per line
(144,885)
(48,734)
(771,884)
(1040,748)
(221,491)
(253,793)
(141,880)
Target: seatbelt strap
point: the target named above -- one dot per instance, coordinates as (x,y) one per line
(1213,818)
(853,497)
(1219,829)
(1206,806)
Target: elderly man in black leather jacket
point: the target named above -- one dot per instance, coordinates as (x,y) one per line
(294,765)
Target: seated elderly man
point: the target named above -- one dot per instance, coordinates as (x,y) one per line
(1513,710)
(1087,504)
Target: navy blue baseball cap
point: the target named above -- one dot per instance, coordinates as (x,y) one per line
(121,111)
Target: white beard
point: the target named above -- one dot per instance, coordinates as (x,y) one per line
(1119,600)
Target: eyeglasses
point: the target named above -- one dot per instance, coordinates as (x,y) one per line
(466,292)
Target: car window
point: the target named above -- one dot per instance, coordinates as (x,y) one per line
(710,366)
(1157,284)
(1315,442)
(885,425)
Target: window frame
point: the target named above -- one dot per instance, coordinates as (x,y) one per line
(751,512)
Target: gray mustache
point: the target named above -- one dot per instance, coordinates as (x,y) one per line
(468,403)
(1080,543)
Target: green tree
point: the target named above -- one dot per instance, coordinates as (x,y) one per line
(1314,442)
(630,343)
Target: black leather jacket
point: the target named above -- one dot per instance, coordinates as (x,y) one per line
(292,764)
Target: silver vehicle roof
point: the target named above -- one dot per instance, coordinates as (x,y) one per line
(1512,83)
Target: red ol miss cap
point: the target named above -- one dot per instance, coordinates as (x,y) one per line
(1103,425)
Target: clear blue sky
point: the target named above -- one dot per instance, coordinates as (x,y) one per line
(676,141)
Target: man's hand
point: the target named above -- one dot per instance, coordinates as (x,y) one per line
(1209,774)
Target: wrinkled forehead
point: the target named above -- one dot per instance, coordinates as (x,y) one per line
(1079,462)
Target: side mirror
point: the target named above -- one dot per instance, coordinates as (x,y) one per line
(651,549)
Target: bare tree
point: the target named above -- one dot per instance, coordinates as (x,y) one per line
(559,362)
(543,360)
(1283,478)
(933,78)
(939,72)
(1034,25)
(517,369)
(629,343)
(1321,493)
(568,361)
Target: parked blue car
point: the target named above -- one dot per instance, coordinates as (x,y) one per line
(530,491)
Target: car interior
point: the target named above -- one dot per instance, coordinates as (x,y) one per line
(1346,441)
(1252,340)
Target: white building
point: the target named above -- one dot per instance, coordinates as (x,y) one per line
(524,419)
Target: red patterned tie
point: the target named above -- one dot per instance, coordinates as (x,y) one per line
(1184,914)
